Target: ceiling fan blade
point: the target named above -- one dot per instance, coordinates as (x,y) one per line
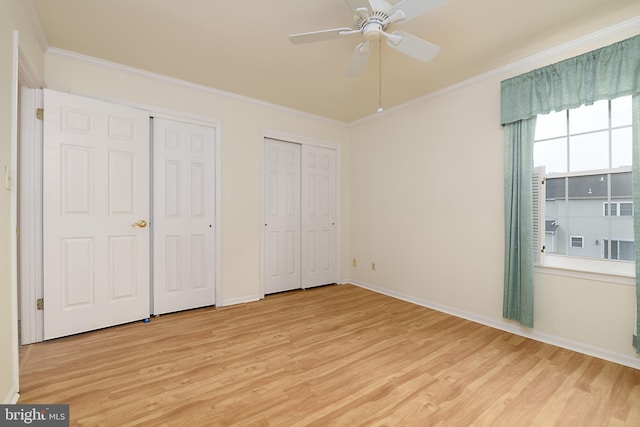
(315,36)
(361,8)
(413,46)
(359,58)
(414,8)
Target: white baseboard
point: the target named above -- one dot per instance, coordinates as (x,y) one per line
(239,300)
(507,326)
(12,396)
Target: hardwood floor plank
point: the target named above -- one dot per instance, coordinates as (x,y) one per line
(330,356)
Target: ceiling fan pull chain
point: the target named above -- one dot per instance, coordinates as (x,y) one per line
(380,109)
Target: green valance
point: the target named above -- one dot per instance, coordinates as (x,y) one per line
(607,73)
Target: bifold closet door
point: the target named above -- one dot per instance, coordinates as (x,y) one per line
(95,208)
(183,216)
(282,216)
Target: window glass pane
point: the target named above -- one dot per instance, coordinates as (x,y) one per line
(552,154)
(588,214)
(585,197)
(621,147)
(621,185)
(589,118)
(590,151)
(621,111)
(626,209)
(627,251)
(614,249)
(551,125)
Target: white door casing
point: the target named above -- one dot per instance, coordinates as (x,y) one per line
(319,199)
(281,216)
(95,187)
(183,216)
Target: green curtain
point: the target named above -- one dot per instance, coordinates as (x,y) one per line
(518,212)
(607,73)
(636,209)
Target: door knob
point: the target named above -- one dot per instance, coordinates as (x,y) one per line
(142,224)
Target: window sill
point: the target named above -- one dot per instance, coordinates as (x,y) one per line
(619,272)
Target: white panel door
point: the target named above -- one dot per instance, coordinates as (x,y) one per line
(282,216)
(95,186)
(319,199)
(184,216)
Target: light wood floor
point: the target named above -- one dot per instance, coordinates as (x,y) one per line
(332,356)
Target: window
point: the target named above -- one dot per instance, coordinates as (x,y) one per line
(586,158)
(620,249)
(618,209)
(577,242)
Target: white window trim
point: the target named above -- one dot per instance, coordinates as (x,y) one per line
(576,237)
(606,208)
(620,207)
(609,242)
(611,271)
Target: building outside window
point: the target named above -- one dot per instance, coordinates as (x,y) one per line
(586,156)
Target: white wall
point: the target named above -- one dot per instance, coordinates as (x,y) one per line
(242,125)
(13,17)
(421,197)
(427,208)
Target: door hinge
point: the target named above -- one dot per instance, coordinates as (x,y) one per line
(40,113)
(40,304)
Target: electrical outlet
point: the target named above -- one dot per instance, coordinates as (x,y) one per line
(354,263)
(373,266)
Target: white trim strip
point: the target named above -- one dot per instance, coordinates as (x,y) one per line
(613,30)
(513,328)
(35,19)
(171,80)
(630,24)
(12,396)
(239,300)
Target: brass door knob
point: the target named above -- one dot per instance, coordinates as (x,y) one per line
(142,224)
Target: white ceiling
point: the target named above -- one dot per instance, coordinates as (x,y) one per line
(242,47)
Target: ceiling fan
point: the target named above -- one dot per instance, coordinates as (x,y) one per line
(372,19)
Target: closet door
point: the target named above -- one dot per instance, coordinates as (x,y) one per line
(184,216)
(319,199)
(282,216)
(95,208)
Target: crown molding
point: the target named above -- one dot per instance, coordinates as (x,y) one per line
(32,13)
(533,60)
(183,83)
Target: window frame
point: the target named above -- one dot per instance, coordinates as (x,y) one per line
(618,209)
(609,270)
(581,240)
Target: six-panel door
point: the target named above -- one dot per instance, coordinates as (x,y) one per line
(183,216)
(96,186)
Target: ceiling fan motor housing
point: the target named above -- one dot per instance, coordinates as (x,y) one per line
(373,25)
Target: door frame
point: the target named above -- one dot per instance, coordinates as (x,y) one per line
(30,255)
(32,222)
(301,140)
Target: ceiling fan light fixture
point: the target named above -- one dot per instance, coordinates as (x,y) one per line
(372,31)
